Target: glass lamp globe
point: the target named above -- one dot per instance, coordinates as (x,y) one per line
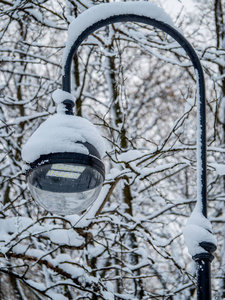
(66,183)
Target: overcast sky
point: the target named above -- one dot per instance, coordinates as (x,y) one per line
(174,6)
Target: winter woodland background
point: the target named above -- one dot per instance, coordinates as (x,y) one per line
(137,85)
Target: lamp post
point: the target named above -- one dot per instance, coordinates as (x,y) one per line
(58,167)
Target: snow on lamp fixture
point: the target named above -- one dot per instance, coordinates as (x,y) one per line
(65,172)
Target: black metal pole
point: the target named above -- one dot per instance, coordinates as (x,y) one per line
(202,260)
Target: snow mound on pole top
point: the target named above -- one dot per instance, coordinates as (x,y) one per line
(60,133)
(107,10)
(197,230)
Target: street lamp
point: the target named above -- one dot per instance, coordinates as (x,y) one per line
(64,168)
(53,175)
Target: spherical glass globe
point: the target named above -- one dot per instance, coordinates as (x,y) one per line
(66,188)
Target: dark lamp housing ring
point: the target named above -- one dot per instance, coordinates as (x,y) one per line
(68,157)
(93,159)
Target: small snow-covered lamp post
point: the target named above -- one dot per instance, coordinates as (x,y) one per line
(65,172)
(49,164)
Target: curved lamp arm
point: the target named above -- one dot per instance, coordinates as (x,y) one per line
(202,259)
(201,144)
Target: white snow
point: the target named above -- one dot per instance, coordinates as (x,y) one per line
(190,102)
(220,168)
(108,295)
(56,296)
(200,147)
(130,155)
(24,227)
(106,10)
(60,133)
(59,96)
(198,229)
(65,237)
